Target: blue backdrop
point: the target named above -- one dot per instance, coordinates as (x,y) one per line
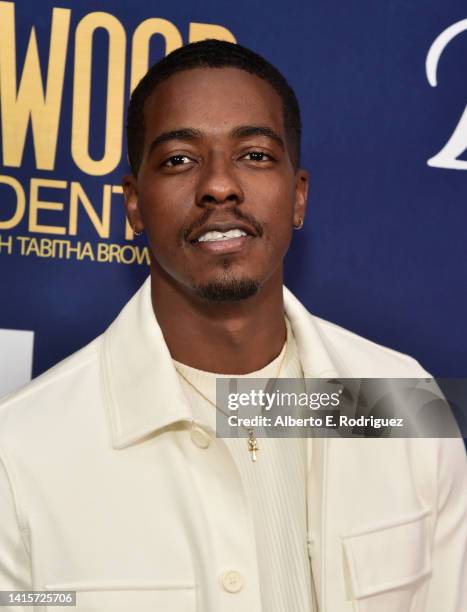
(383,251)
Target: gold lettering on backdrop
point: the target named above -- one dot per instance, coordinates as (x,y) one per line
(20,202)
(28,97)
(82,94)
(35,205)
(6,245)
(18,104)
(140,45)
(39,101)
(201,31)
(54,248)
(72,204)
(77,194)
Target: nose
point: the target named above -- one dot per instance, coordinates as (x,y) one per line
(218,183)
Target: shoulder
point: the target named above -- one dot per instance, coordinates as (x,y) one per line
(36,404)
(351,355)
(359,352)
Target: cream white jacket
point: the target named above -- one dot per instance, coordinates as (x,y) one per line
(106,489)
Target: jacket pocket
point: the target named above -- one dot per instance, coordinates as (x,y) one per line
(119,596)
(387,563)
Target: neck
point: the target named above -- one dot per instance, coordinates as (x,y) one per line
(234,337)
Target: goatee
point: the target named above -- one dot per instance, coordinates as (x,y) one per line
(228,290)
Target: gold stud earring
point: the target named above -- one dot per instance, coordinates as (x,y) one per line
(299,225)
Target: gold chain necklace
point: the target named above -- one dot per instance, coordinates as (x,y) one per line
(252,441)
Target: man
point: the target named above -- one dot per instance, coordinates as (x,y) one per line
(113,483)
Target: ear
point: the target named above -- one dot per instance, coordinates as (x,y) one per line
(302,179)
(130,193)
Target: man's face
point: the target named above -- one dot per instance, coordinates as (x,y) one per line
(216,190)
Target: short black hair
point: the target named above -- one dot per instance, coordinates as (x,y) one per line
(210,54)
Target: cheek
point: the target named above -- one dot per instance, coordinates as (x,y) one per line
(163,215)
(280,224)
(279,214)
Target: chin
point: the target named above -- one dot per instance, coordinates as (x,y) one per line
(228,289)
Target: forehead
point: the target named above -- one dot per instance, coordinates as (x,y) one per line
(213,100)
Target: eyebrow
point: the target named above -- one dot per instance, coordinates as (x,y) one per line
(181,134)
(242,131)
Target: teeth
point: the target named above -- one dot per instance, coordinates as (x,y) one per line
(216,236)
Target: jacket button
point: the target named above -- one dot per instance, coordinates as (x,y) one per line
(199,437)
(232,581)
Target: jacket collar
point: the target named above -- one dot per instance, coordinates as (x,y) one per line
(142,391)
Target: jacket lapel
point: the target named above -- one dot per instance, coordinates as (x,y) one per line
(142,391)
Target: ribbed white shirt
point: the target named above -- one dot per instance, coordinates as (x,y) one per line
(275,486)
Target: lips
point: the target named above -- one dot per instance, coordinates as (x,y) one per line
(223,238)
(223,246)
(214,232)
(214,236)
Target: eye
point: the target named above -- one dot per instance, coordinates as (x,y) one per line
(258,156)
(177,160)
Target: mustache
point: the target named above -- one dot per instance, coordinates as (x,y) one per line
(235,212)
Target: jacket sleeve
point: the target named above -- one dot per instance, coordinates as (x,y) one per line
(15,568)
(448,585)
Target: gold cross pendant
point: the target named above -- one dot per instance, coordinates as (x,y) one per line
(252,445)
